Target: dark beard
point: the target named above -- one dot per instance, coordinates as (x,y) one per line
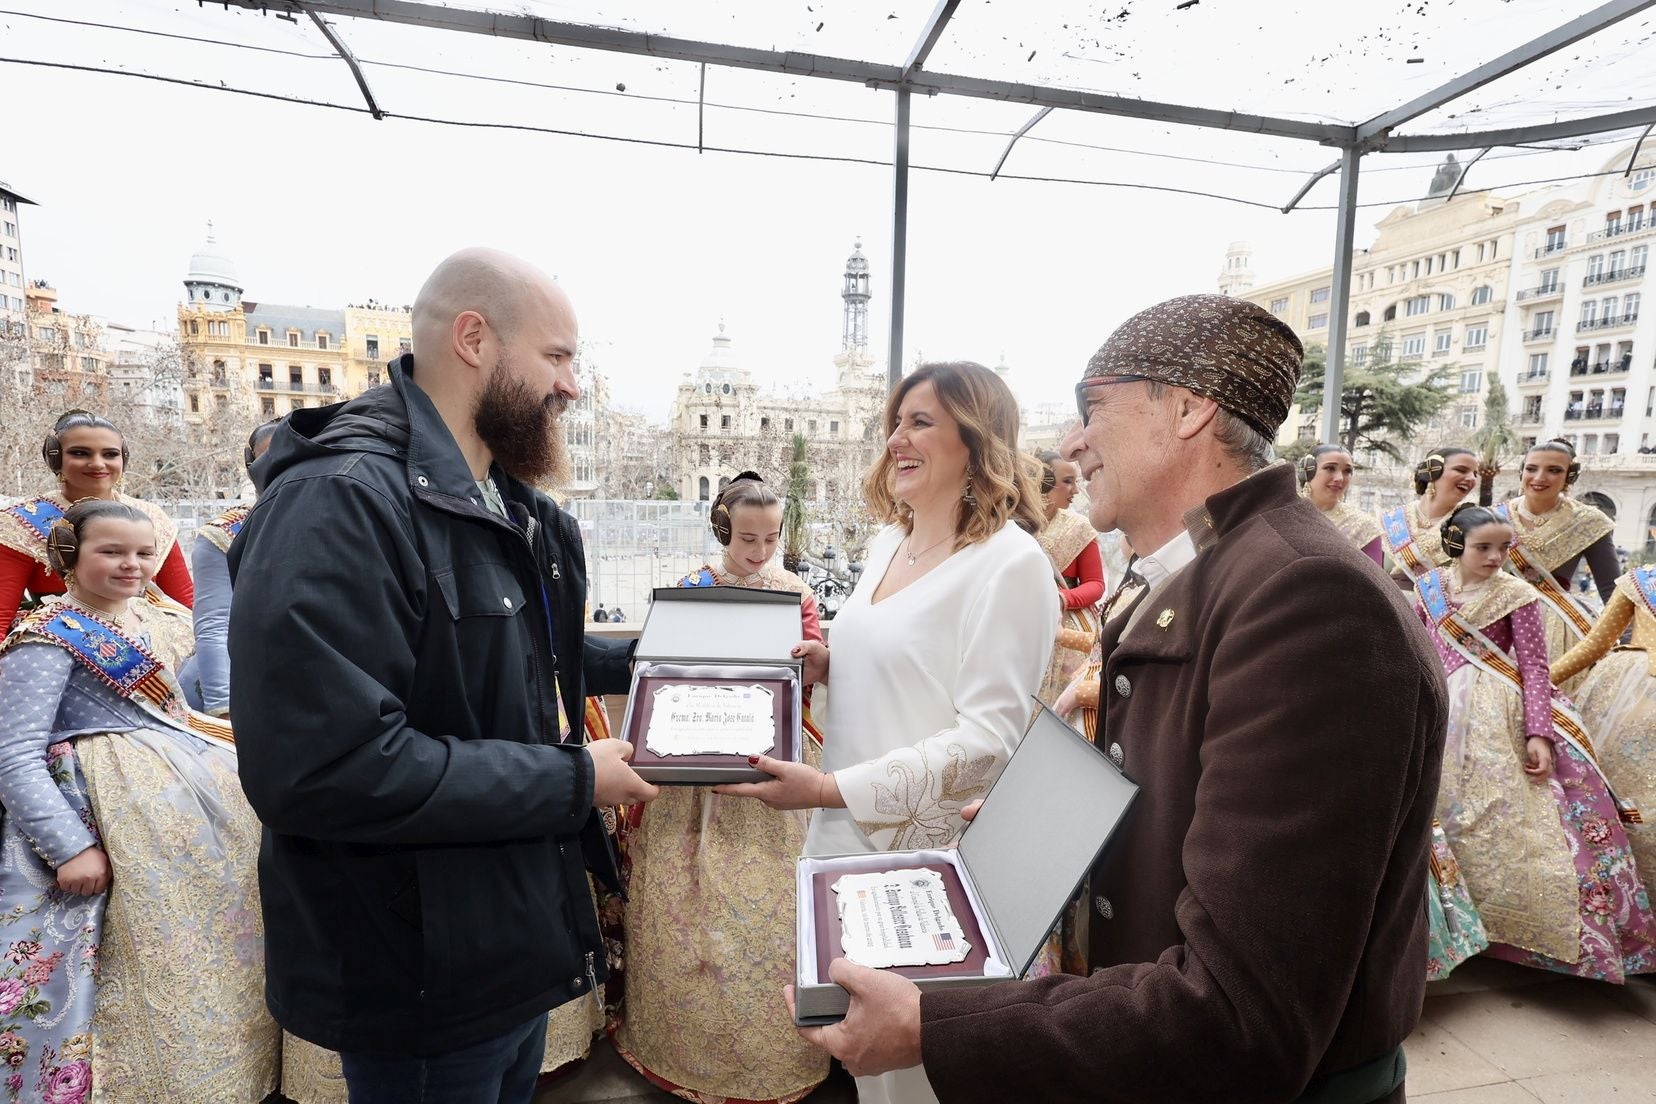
(521,429)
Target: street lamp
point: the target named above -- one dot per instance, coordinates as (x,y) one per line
(829,555)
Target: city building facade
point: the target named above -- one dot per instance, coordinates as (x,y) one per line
(13,274)
(725,423)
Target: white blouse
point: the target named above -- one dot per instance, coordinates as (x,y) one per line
(931,690)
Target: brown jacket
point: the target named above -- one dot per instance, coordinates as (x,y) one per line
(1259,919)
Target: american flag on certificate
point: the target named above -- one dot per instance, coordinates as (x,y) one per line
(943,940)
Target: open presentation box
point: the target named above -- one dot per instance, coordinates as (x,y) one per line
(715,636)
(1019,862)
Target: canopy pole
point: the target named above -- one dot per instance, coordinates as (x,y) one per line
(1345,233)
(899,239)
(350,60)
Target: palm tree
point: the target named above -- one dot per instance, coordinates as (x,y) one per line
(1494,440)
(793,508)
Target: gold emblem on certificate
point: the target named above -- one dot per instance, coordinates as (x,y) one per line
(899,918)
(692,719)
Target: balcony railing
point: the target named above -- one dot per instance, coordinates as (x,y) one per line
(1545,291)
(1609,322)
(1594,413)
(1526,378)
(1593,279)
(266,383)
(1552,247)
(1528,418)
(296,385)
(1619,229)
(1539,335)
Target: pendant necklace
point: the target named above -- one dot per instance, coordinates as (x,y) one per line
(912,556)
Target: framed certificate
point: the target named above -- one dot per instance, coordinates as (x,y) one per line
(1002,888)
(714,682)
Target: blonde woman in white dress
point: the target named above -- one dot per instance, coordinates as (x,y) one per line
(939,651)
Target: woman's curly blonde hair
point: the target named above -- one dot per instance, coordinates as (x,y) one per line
(1003,482)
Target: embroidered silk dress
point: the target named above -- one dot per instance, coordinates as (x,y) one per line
(710,929)
(23,564)
(1618,702)
(1414,544)
(1358,527)
(154,990)
(930,692)
(1071,543)
(1546,860)
(1546,556)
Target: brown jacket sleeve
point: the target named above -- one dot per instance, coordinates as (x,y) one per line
(1314,800)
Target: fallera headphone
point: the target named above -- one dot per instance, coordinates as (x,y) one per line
(51,449)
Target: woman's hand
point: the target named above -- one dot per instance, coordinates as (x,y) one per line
(85,875)
(1066,702)
(1538,758)
(815,655)
(791,786)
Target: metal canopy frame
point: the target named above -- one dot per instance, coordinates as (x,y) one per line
(1378,134)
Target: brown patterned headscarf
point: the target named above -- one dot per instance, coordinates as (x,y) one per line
(1232,351)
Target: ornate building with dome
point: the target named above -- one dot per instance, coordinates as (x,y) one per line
(724,422)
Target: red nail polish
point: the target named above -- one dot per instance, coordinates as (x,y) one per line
(753,760)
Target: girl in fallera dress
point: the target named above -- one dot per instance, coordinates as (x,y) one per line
(1555,533)
(710,912)
(1535,827)
(1325,477)
(128,891)
(88,457)
(1071,543)
(1442,481)
(1618,702)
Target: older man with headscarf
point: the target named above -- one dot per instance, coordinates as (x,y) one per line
(1258,926)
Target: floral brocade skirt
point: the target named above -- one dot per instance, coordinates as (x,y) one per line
(1546,860)
(1618,706)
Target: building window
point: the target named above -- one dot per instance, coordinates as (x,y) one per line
(321,341)
(1477,336)
(1318,322)
(1471,381)
(787,425)
(1307,433)
(1537,365)
(373,348)
(1359,354)
(764,423)
(704,455)
(1319,295)
(1595,268)
(810,426)
(1612,442)
(704,421)
(833,429)
(1414,346)
(1642,179)
(1362,319)
(724,422)
(1441,341)
(1469,417)
(267,407)
(1555,240)
(1420,304)
(1446,302)
(195,328)
(703,490)
(324,378)
(195,403)
(264,336)
(1543,323)
(1279,306)
(1630,307)
(296,377)
(293,339)
(1481,295)
(1636,259)
(1617,264)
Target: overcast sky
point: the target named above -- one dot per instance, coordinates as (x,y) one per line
(322,208)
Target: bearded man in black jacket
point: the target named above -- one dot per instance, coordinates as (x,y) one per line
(408,636)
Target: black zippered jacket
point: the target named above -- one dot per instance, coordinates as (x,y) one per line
(396,646)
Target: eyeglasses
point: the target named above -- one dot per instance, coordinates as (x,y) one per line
(1083,404)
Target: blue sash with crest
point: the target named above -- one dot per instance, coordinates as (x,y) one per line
(37,513)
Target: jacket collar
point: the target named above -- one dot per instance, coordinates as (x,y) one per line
(437,470)
(1265,489)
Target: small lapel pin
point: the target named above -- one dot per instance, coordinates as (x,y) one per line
(1165,619)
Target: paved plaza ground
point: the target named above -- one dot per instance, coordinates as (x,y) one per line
(1492,1034)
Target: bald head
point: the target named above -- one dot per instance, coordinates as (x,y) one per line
(504,289)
